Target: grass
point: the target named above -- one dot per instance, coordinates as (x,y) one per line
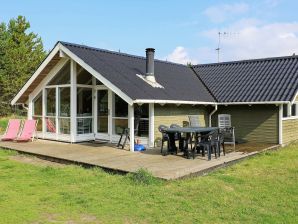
(263,189)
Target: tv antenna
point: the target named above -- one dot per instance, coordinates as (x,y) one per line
(220,35)
(218,46)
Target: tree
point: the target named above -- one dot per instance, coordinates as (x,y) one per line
(21,52)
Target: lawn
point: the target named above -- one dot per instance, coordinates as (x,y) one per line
(263,189)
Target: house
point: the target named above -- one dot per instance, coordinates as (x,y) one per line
(80,93)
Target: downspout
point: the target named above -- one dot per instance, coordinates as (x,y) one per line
(210,115)
(23,105)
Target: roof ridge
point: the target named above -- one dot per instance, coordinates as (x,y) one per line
(248,60)
(117,53)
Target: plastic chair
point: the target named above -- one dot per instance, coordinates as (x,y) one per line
(225,126)
(12,130)
(164,136)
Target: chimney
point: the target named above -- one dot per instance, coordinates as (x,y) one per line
(150,64)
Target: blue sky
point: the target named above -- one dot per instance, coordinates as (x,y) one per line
(180,31)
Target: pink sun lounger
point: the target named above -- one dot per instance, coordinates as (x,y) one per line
(12,130)
(28,131)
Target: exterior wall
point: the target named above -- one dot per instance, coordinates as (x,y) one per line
(289,130)
(173,114)
(255,123)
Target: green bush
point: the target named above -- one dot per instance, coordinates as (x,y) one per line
(143,176)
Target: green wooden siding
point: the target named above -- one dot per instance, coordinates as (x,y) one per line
(173,114)
(289,130)
(256,123)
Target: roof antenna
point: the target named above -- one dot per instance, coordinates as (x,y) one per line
(119,51)
(220,34)
(218,46)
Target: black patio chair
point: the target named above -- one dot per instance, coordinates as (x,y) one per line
(164,136)
(208,143)
(221,143)
(183,143)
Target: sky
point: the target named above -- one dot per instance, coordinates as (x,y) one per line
(180,31)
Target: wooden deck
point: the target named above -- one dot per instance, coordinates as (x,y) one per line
(111,158)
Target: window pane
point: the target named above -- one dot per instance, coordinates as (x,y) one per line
(64,110)
(141,114)
(84,102)
(121,107)
(38,105)
(294,110)
(84,125)
(119,125)
(39,123)
(83,76)
(64,125)
(62,77)
(285,110)
(98,82)
(51,101)
(50,124)
(103,111)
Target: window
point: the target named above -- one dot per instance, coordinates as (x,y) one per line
(62,77)
(83,76)
(120,115)
(141,114)
(102,111)
(84,110)
(294,109)
(285,110)
(51,110)
(37,111)
(64,110)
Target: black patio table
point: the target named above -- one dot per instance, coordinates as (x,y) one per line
(188,131)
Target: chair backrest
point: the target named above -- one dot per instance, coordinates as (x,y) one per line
(224,121)
(162,128)
(28,129)
(13,128)
(194,120)
(175,126)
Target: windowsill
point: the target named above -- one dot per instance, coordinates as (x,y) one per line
(290,118)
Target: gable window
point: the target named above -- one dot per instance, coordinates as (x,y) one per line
(62,77)
(294,109)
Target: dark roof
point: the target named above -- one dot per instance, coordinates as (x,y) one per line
(257,80)
(179,81)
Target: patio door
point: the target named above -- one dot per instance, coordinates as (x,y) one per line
(103,114)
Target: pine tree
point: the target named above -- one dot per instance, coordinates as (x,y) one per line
(21,52)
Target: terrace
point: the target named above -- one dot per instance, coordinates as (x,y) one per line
(110,158)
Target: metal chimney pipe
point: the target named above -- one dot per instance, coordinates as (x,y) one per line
(150,64)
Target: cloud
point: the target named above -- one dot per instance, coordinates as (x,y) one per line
(180,55)
(223,12)
(253,40)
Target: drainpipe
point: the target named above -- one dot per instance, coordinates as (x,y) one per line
(210,115)
(23,105)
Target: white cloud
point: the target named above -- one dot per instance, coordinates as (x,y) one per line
(180,55)
(221,13)
(254,40)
